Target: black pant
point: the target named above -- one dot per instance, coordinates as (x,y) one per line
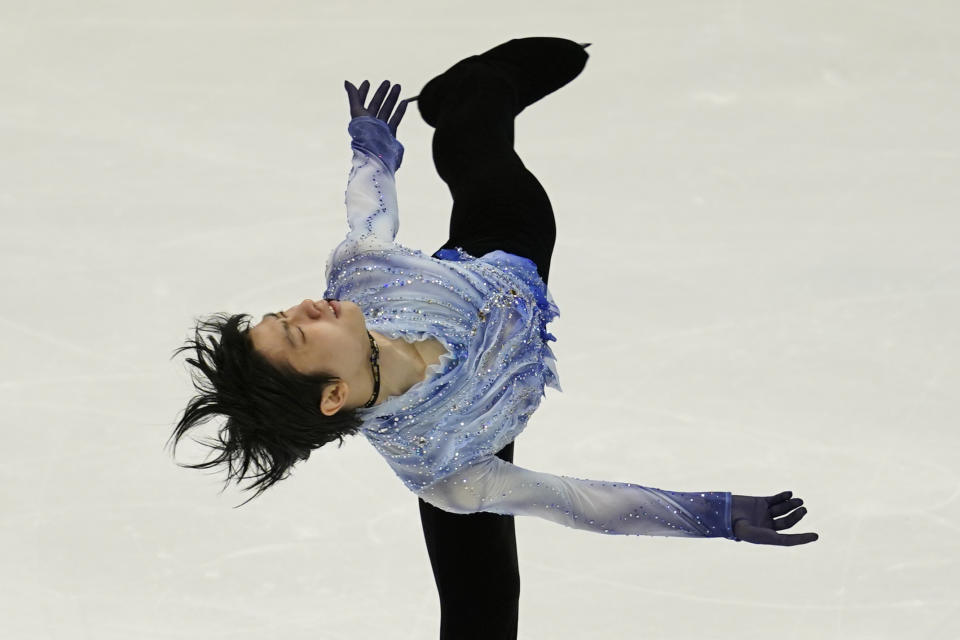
(497,204)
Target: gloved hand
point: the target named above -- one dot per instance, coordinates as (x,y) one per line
(753,519)
(378,108)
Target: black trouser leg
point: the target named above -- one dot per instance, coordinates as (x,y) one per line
(474,560)
(497,204)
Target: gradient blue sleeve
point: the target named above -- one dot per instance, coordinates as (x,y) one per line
(371,195)
(617,508)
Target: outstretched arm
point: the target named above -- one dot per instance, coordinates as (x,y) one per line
(622,508)
(371,195)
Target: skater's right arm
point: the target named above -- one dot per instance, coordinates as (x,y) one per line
(619,508)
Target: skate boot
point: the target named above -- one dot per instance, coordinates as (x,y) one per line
(533,67)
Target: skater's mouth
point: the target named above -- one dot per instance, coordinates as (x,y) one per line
(335,305)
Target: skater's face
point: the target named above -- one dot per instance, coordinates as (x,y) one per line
(316,336)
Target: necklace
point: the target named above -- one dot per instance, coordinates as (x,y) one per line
(375,366)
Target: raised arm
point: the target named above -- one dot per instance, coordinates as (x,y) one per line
(371,194)
(618,507)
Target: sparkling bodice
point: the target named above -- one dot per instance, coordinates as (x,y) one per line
(491,314)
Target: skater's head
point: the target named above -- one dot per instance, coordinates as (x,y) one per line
(281,398)
(326,337)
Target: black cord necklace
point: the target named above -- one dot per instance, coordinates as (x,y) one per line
(375,365)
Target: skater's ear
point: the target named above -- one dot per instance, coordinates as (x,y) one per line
(334,397)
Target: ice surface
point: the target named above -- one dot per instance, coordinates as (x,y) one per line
(768,190)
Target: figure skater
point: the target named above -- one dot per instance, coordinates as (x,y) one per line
(439,361)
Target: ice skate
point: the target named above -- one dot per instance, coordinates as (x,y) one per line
(532,67)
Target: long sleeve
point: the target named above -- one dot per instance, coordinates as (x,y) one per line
(618,508)
(371,195)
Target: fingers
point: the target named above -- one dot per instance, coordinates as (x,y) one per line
(790,520)
(792,540)
(780,497)
(377,100)
(759,535)
(787,506)
(356,96)
(390,103)
(351,95)
(398,116)
(352,89)
(382,103)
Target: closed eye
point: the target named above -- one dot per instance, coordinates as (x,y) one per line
(286,327)
(302,335)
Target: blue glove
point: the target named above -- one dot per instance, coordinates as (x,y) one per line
(753,519)
(378,108)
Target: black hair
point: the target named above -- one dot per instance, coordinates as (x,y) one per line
(273,417)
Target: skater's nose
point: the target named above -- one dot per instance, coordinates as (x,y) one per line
(308,308)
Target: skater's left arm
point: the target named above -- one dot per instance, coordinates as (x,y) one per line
(371,194)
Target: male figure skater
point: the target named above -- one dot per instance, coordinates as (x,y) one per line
(286,397)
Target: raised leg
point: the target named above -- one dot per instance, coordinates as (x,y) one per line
(497,202)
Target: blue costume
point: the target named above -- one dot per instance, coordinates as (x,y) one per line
(490,312)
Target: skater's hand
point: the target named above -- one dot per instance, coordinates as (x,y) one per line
(753,519)
(378,108)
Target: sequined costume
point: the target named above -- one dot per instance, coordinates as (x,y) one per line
(490,312)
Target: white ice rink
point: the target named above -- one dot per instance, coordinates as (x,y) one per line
(756,265)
